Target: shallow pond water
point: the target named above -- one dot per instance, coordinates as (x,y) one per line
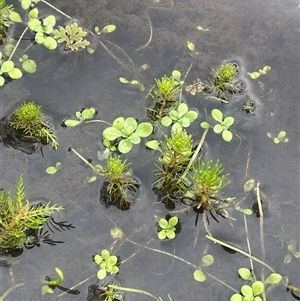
(253,34)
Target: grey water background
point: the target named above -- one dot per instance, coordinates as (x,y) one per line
(255,34)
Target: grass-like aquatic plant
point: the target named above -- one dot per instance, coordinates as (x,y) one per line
(28,120)
(5,10)
(19,218)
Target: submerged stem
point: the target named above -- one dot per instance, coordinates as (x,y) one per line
(17,44)
(58,10)
(132,290)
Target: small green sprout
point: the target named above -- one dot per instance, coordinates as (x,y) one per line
(51,170)
(168,228)
(222,126)
(206,261)
(133,82)
(128,130)
(82,116)
(106,29)
(281,137)
(108,264)
(257,74)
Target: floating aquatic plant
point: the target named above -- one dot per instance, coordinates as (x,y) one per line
(108,264)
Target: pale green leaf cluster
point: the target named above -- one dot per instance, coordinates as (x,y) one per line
(168,228)
(107,263)
(128,131)
(82,116)
(281,137)
(72,35)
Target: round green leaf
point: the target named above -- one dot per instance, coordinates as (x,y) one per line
(123,80)
(7,66)
(98,259)
(144,129)
(39,38)
(218,128)
(173,221)
(170,234)
(182,109)
(111,133)
(101,274)
(236,297)
(173,114)
(49,21)
(15,17)
(176,128)
(257,298)
(163,223)
(104,254)
(257,287)
(15,73)
(51,170)
(112,260)
(199,276)
(25,4)
(125,146)
(71,123)
(245,273)
(185,122)
(92,179)
(8,49)
(273,278)
(162,234)
(29,66)
(130,124)
(217,115)
(166,121)
(281,134)
(249,185)
(35,25)
(2,81)
(118,123)
(247,211)
(254,75)
(207,260)
(191,115)
(50,43)
(205,125)
(247,291)
(153,144)
(34,13)
(46,289)
(114,270)
(276,140)
(227,135)
(229,121)
(47,29)
(109,28)
(176,75)
(87,113)
(134,138)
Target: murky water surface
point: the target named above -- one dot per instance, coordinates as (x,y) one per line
(252,33)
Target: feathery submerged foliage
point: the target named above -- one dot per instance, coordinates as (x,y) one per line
(18,218)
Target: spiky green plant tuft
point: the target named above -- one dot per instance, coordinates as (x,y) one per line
(4,19)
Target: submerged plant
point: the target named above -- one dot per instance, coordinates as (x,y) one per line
(72,35)
(28,120)
(165,95)
(18,218)
(281,137)
(119,187)
(108,264)
(208,182)
(176,151)
(223,81)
